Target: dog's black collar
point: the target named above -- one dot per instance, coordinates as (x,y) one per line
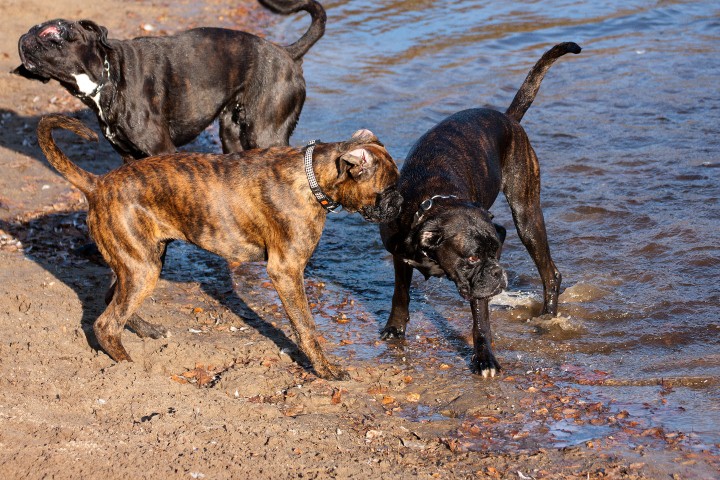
(327,203)
(427,205)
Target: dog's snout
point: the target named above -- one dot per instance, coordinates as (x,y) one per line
(487,281)
(392,199)
(386,209)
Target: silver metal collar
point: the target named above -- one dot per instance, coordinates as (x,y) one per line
(427,205)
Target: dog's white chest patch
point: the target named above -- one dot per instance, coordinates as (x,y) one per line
(85,85)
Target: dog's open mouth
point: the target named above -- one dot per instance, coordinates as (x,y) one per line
(465,294)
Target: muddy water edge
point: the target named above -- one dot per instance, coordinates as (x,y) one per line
(627,137)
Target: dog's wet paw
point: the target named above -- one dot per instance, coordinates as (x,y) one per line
(486,365)
(392,332)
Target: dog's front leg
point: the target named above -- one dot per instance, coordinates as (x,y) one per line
(289,283)
(483,357)
(399,313)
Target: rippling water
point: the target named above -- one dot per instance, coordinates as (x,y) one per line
(628,138)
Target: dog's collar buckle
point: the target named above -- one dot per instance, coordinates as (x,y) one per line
(427,205)
(327,203)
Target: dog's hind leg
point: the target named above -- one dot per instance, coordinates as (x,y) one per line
(266,114)
(483,358)
(137,324)
(140,326)
(522,190)
(399,313)
(131,288)
(241,129)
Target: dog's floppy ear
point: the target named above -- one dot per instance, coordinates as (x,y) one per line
(365,135)
(99,30)
(355,163)
(358,160)
(360,157)
(24,72)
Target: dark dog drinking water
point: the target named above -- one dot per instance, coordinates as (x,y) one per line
(153,94)
(247,206)
(450,179)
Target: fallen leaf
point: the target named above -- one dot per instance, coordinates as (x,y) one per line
(294,410)
(376,390)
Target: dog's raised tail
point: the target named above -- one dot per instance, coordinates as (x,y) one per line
(529,89)
(317,25)
(82,179)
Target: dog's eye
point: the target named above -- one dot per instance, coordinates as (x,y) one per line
(473,260)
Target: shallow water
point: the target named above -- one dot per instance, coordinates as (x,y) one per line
(627,134)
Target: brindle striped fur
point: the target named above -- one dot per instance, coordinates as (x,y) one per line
(248,206)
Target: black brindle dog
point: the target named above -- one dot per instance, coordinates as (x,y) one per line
(450,179)
(153,94)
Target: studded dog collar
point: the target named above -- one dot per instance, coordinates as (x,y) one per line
(327,203)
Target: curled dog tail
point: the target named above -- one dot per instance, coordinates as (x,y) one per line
(525,96)
(317,26)
(82,179)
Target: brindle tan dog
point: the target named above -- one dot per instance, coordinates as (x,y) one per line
(248,206)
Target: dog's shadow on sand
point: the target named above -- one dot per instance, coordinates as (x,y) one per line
(21,136)
(49,241)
